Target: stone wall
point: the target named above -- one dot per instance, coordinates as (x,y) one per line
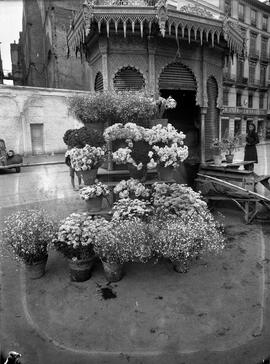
(21,107)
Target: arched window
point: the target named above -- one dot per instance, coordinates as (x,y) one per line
(99,82)
(177,76)
(129,79)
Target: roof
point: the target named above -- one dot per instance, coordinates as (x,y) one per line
(194,22)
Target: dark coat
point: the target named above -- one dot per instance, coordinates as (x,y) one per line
(250,148)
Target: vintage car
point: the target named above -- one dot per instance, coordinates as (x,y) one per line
(8,159)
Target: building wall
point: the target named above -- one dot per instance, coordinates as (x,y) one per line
(245,82)
(21,107)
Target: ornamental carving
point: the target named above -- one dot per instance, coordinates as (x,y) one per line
(196,10)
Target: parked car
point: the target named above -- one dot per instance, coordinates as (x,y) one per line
(9,159)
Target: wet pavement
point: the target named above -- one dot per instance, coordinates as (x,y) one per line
(219,312)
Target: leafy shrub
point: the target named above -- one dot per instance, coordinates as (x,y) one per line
(81,137)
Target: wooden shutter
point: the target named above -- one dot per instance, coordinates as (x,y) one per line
(99,82)
(128,79)
(177,77)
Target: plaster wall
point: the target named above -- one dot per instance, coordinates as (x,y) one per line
(22,106)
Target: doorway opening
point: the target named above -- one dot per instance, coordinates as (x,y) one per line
(185,117)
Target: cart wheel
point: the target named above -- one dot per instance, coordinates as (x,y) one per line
(18,169)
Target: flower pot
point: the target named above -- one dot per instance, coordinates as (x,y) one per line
(137,174)
(229,158)
(113,271)
(94,204)
(89,176)
(37,269)
(166,173)
(80,270)
(181,266)
(217,159)
(163,122)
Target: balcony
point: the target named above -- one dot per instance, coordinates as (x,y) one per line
(253,84)
(136,3)
(241,81)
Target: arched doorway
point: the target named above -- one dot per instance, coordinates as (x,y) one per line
(178,81)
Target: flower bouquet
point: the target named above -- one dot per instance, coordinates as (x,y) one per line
(131,188)
(87,159)
(163,104)
(75,239)
(231,144)
(27,234)
(217,147)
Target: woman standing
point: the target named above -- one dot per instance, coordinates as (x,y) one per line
(250,149)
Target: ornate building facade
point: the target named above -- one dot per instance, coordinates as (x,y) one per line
(167,48)
(246,78)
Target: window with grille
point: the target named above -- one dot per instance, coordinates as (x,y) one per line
(238,99)
(240,69)
(241,12)
(253,40)
(250,101)
(264,48)
(128,78)
(99,82)
(265,23)
(261,101)
(253,17)
(251,72)
(226,97)
(262,75)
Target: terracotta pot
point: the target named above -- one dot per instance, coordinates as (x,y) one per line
(181,266)
(166,173)
(80,270)
(37,269)
(137,174)
(113,271)
(217,159)
(89,176)
(94,204)
(229,158)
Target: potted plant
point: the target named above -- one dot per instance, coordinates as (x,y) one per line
(183,239)
(217,147)
(176,199)
(131,188)
(122,241)
(231,144)
(93,195)
(87,160)
(27,234)
(75,239)
(168,150)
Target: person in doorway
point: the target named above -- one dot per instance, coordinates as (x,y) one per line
(72,171)
(250,148)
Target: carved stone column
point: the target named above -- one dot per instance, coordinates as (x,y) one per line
(203,114)
(152,46)
(103,47)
